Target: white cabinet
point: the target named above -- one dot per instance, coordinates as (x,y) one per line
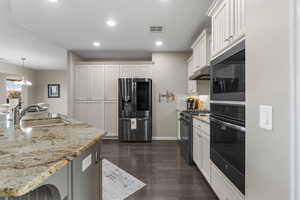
(192,84)
(111,118)
(228,25)
(220,27)
(197,148)
(81,83)
(239,22)
(96,92)
(90,112)
(96,82)
(206,157)
(201,145)
(201,51)
(111,82)
(136,71)
(222,186)
(89,83)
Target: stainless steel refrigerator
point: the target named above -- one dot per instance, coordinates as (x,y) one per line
(135,110)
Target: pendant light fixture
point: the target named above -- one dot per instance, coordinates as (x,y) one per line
(25,82)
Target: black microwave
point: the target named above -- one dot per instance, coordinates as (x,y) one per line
(228,75)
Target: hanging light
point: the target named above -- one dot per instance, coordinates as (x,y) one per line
(25,82)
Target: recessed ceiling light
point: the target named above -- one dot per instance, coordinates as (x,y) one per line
(111,23)
(96,44)
(53,1)
(159,43)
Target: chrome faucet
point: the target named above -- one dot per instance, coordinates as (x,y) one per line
(18,114)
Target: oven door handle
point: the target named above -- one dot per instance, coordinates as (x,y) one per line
(236,127)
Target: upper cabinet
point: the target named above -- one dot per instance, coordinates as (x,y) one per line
(89,83)
(81,83)
(201,51)
(192,85)
(111,82)
(239,19)
(136,71)
(228,25)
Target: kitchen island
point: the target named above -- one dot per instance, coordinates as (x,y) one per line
(50,156)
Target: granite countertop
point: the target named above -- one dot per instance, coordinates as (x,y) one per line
(29,156)
(203,117)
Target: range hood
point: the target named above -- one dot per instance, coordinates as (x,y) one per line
(201,74)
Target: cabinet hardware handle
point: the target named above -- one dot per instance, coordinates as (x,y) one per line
(98,158)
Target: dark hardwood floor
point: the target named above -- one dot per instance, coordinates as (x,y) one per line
(159,165)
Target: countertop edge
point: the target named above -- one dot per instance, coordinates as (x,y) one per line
(18,192)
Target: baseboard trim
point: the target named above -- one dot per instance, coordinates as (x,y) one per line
(111,138)
(165,138)
(153,138)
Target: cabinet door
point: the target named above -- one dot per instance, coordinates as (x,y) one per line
(221,27)
(96,76)
(90,112)
(206,156)
(239,19)
(81,111)
(81,83)
(111,118)
(111,82)
(192,85)
(196,64)
(96,114)
(86,181)
(142,71)
(200,150)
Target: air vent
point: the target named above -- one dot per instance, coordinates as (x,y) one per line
(156,29)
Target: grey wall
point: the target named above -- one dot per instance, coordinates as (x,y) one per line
(267,74)
(45,77)
(169,73)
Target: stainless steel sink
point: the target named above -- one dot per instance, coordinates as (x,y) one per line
(43,123)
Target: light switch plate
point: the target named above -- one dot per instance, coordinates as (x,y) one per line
(266,117)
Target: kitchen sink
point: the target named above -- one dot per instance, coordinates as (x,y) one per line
(43,123)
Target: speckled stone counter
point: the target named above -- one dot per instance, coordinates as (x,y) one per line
(29,156)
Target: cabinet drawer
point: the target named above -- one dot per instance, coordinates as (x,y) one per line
(223,189)
(218,184)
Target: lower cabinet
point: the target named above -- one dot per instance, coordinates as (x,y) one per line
(201,148)
(103,115)
(197,148)
(111,118)
(90,112)
(206,165)
(222,186)
(87,175)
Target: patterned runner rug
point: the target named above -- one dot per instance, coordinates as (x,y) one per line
(117,183)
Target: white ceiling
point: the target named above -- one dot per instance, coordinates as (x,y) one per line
(76,24)
(16,42)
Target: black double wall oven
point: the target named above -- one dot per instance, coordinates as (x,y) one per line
(228,131)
